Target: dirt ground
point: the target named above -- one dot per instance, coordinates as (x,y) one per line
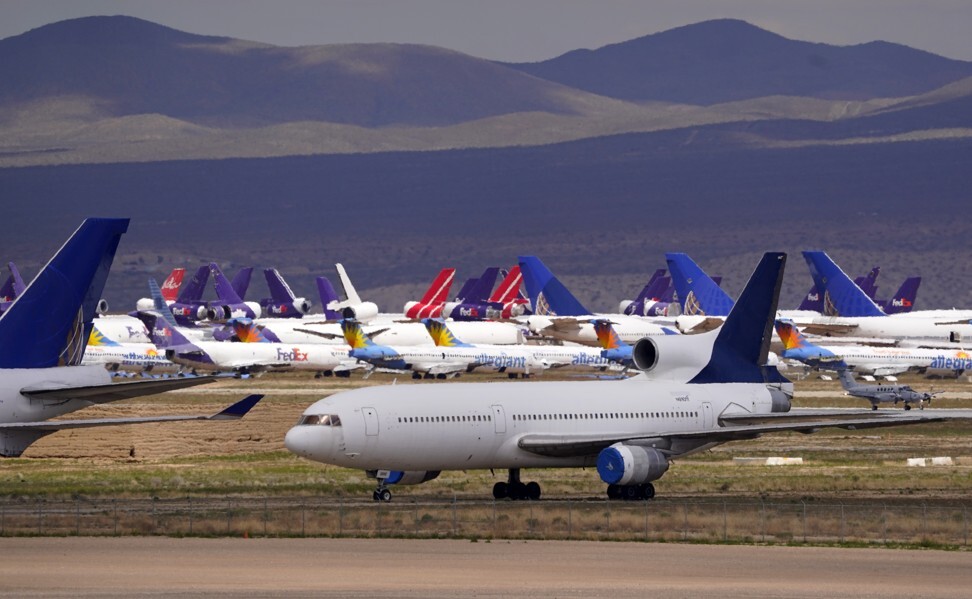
(164,567)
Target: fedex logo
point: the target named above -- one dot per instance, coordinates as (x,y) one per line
(813,297)
(901,303)
(278,309)
(469,312)
(295,355)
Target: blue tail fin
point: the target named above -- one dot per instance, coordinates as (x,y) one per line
(193,291)
(328,295)
(904,299)
(241,282)
(841,297)
(741,347)
(697,293)
(548,296)
(49,324)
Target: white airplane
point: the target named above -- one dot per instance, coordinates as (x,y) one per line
(558,314)
(629,430)
(521,360)
(867,359)
(125,357)
(42,341)
(249,355)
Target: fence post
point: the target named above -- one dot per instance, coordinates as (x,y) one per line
(114,513)
(266,515)
(570,524)
(725,522)
(607,516)
(303,521)
(189,500)
(341,517)
(3,520)
(842,523)
(378,517)
(77,516)
(455,516)
(40,518)
(415,516)
(155,518)
(762,520)
(684,521)
(804,521)
(965,519)
(924,521)
(884,518)
(229,515)
(494,517)
(646,520)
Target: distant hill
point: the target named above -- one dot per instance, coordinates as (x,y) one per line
(127,66)
(728,60)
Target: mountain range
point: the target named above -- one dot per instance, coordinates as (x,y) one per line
(719,139)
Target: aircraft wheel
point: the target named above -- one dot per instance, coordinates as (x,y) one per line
(440,376)
(416,375)
(384,495)
(501,490)
(376,496)
(517,491)
(907,406)
(648,491)
(632,492)
(532,491)
(511,375)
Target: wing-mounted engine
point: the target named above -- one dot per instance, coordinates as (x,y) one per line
(405,477)
(144,305)
(625,465)
(677,358)
(362,312)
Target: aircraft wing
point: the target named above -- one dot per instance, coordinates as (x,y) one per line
(233,412)
(828,329)
(446,368)
(749,427)
(113,391)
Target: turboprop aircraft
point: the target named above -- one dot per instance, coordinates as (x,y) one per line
(42,341)
(884,393)
(629,430)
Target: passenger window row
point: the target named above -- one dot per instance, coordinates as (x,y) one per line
(606,416)
(473,418)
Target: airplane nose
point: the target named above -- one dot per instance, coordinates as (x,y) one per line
(310,442)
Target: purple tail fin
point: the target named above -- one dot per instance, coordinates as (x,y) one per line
(224,289)
(241,282)
(479,293)
(868,283)
(193,291)
(812,301)
(279,290)
(328,295)
(653,289)
(7,291)
(904,299)
(464,290)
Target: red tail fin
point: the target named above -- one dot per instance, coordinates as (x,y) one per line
(509,289)
(170,288)
(439,290)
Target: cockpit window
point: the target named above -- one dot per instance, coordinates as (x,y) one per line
(319,419)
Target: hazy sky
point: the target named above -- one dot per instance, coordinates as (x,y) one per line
(521,30)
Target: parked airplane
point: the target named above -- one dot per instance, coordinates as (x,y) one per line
(903,301)
(229,303)
(352,307)
(12,288)
(510,296)
(327,294)
(425,361)
(612,347)
(42,342)
(558,314)
(125,357)
(884,393)
(867,359)
(649,302)
(629,430)
(813,300)
(842,297)
(282,302)
(431,304)
(472,301)
(242,358)
(170,290)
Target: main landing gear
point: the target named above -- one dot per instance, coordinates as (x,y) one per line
(516,490)
(631,492)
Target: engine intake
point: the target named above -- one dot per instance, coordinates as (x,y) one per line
(622,464)
(411,477)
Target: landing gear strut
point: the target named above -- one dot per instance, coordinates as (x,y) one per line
(631,492)
(516,490)
(381,493)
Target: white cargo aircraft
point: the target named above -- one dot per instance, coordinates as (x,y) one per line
(708,389)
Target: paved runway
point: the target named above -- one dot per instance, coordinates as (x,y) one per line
(166,567)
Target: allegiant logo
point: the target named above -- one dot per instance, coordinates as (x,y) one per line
(501,361)
(951,363)
(588,360)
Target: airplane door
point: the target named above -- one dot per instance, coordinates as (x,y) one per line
(707,420)
(371,421)
(499,419)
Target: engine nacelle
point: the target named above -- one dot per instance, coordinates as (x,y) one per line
(362,312)
(673,357)
(627,307)
(303,305)
(255,308)
(410,477)
(622,464)
(144,304)
(102,307)
(202,313)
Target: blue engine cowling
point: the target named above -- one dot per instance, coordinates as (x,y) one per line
(410,477)
(622,464)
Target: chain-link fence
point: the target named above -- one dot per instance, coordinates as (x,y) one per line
(660,520)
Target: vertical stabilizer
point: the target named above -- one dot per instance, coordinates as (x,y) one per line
(741,347)
(697,292)
(903,299)
(841,297)
(328,295)
(193,291)
(441,335)
(54,312)
(438,291)
(548,296)
(241,282)
(224,289)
